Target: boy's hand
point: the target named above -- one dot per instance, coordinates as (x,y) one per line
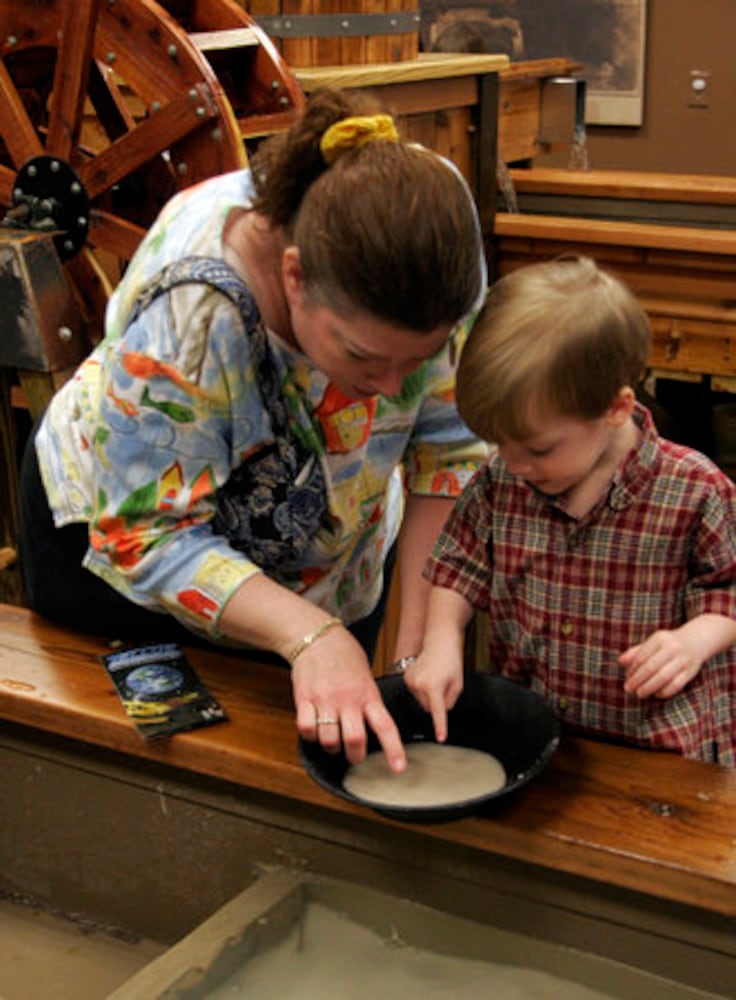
(662,665)
(436,680)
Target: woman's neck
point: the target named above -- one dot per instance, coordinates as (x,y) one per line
(254,249)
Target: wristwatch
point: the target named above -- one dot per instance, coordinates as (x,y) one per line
(400,665)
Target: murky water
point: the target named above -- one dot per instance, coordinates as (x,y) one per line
(327,955)
(43,957)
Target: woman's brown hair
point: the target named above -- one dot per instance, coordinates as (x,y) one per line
(389,227)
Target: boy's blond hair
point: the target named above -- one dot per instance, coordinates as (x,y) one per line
(559,338)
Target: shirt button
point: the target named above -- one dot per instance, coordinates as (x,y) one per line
(566,628)
(562,704)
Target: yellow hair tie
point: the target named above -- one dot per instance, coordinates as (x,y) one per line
(357,131)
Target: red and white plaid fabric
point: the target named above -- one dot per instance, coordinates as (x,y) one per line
(565,597)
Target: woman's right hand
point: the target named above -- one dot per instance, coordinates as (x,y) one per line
(331,676)
(336,698)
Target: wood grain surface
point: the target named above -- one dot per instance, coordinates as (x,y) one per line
(650,822)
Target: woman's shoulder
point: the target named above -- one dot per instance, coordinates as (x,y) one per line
(193,219)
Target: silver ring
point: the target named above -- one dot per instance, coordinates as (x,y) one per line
(327,720)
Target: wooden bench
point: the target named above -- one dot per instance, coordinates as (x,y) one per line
(634,194)
(670,238)
(649,822)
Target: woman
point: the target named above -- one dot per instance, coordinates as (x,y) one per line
(230,456)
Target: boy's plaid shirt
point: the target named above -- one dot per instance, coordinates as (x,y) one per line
(566,597)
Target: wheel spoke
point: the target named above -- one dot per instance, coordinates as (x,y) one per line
(113,113)
(115,234)
(71,76)
(178,119)
(92,288)
(7,182)
(19,134)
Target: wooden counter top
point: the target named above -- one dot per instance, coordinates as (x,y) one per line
(429,66)
(649,822)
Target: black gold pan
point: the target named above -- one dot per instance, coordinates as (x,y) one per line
(493,714)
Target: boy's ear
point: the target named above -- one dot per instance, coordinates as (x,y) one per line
(622,407)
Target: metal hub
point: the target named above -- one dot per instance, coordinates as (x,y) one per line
(49,197)
(109,107)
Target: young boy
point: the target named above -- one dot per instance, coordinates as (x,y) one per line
(604,555)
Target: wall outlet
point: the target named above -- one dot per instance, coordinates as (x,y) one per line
(700,89)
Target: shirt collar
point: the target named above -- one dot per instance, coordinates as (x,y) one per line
(639,466)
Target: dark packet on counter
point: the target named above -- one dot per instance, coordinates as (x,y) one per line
(160,690)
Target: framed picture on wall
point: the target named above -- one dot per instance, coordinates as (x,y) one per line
(606,36)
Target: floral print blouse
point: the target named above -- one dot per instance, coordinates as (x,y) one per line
(147,441)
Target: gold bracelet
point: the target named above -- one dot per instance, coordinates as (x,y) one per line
(312,637)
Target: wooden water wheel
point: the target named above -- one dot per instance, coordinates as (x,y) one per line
(108,107)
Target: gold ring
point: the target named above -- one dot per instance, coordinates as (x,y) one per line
(327,720)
